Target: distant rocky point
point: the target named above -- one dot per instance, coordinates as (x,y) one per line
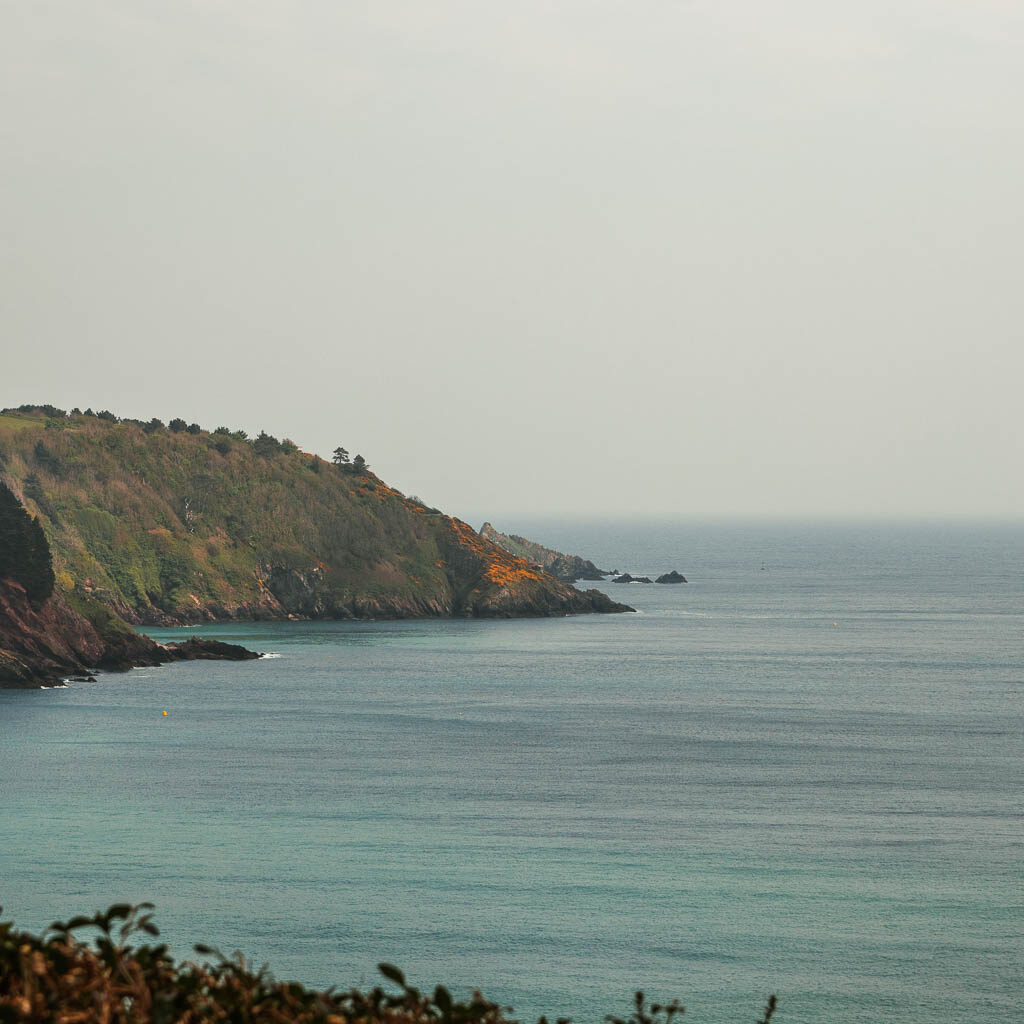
(626,578)
(568,568)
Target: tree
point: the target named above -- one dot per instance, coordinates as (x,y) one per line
(266,445)
(24,550)
(340,457)
(177,425)
(194,428)
(360,465)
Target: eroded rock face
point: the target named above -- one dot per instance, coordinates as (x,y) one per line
(40,646)
(671,577)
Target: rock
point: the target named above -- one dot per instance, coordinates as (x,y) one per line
(626,578)
(671,577)
(203,648)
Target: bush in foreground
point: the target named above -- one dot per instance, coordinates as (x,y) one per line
(60,979)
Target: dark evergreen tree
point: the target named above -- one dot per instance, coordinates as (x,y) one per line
(24,550)
(266,445)
(340,457)
(177,425)
(47,459)
(359,464)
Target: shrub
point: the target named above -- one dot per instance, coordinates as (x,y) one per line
(49,410)
(56,977)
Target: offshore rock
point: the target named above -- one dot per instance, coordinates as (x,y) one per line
(671,577)
(205,649)
(626,578)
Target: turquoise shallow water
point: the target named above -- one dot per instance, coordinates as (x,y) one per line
(720,797)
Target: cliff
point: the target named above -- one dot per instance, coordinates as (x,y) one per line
(567,568)
(175,525)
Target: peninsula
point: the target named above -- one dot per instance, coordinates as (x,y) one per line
(173,524)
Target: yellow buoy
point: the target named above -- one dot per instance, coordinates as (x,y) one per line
(164,712)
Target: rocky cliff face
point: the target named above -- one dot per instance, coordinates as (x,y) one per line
(567,568)
(42,643)
(166,527)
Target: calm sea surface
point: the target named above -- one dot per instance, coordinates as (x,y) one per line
(805,778)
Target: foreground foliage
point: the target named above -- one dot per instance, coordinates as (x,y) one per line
(58,978)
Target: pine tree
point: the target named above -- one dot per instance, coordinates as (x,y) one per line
(24,549)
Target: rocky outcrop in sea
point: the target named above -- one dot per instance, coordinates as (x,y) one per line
(671,577)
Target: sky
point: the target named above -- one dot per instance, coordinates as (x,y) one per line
(645,259)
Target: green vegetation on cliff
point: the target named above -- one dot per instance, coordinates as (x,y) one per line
(178,524)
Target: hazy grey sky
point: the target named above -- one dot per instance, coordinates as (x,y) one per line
(536,258)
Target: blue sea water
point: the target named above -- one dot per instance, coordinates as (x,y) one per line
(804,778)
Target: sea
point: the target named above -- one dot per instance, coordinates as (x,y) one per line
(799,773)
